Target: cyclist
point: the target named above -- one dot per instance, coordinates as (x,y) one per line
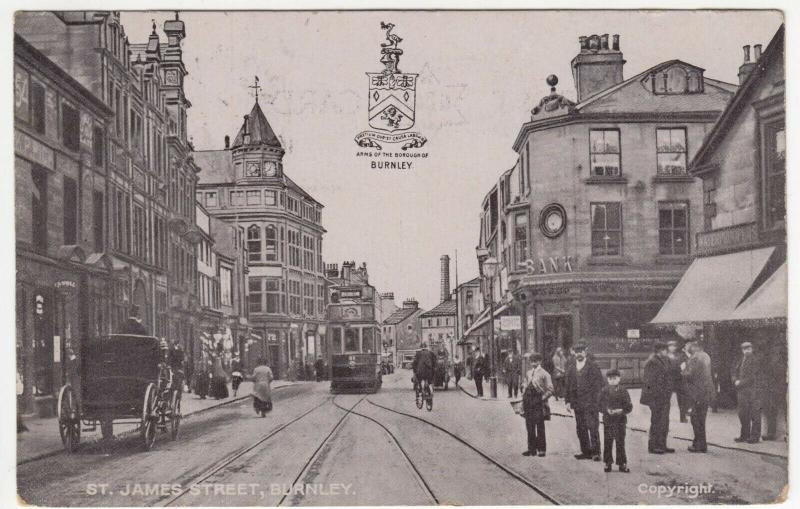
(424,365)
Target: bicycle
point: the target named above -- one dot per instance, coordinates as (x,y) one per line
(423,395)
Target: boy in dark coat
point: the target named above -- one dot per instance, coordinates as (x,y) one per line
(615,403)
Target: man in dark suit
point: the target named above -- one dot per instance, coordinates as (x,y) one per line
(479,370)
(512,368)
(747,383)
(656,394)
(700,391)
(584,382)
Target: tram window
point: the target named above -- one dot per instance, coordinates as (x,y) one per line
(351,340)
(368,341)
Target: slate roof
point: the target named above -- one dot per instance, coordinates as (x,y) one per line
(258,128)
(447,307)
(216,166)
(400,315)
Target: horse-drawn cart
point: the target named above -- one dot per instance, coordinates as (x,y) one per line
(124,379)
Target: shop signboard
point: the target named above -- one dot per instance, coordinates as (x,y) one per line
(512,322)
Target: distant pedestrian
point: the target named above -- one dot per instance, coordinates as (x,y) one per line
(615,404)
(262,387)
(584,381)
(559,372)
(203,379)
(512,368)
(677,358)
(656,394)
(458,370)
(236,375)
(479,370)
(319,368)
(133,324)
(699,392)
(535,406)
(747,383)
(219,380)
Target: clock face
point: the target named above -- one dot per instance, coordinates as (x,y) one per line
(253,169)
(553,220)
(172,77)
(270,168)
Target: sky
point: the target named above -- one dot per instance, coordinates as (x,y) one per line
(480,74)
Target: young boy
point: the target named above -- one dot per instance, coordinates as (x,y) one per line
(615,403)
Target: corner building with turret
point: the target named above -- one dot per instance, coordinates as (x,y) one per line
(281,227)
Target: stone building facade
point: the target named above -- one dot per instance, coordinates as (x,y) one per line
(145,198)
(245,185)
(741,269)
(594,224)
(401,330)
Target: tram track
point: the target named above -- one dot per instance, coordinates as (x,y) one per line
(231,458)
(509,471)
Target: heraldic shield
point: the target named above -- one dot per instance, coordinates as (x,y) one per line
(391,100)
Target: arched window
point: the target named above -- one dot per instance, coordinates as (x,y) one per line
(469,297)
(254,243)
(271,244)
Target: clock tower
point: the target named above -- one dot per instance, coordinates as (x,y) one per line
(256,152)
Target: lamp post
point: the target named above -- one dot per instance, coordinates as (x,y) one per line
(490,270)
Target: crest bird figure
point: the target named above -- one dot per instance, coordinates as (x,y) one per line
(394,40)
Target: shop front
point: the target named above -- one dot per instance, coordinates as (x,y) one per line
(609,312)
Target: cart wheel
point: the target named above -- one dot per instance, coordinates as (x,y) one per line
(175,420)
(107,429)
(149,417)
(69,424)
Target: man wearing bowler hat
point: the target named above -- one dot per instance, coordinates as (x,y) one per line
(583,385)
(656,394)
(746,380)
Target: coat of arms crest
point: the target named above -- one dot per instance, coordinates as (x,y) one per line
(392,97)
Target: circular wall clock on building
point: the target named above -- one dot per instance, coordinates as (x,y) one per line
(270,168)
(553,220)
(253,169)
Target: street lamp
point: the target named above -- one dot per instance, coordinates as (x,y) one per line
(490,270)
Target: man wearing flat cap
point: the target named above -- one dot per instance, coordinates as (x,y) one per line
(656,394)
(746,380)
(584,382)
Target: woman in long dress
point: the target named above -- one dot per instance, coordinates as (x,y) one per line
(219,382)
(262,388)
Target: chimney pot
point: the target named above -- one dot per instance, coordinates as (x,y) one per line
(604,41)
(746,49)
(227,141)
(756,52)
(584,42)
(615,43)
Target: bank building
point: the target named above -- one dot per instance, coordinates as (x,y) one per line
(281,227)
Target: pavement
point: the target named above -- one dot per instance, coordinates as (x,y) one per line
(721,427)
(42,438)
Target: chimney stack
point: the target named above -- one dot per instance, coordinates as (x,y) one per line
(445,278)
(747,66)
(410,304)
(227,142)
(597,67)
(756,52)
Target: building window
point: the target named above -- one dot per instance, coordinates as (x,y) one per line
(225,285)
(294,248)
(254,287)
(671,151)
(606,229)
(673,228)
(237,198)
(710,184)
(37,108)
(254,243)
(253,197)
(271,238)
(97,220)
(604,152)
(295,303)
(39,204)
(521,239)
(469,297)
(272,289)
(70,127)
(70,211)
(775,174)
(211,199)
(139,234)
(98,146)
(269,197)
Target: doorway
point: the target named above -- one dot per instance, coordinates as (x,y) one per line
(556,332)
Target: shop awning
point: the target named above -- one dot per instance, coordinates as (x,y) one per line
(484,317)
(768,301)
(713,286)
